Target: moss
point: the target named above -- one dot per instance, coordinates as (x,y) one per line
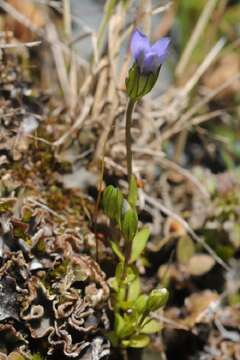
(26,215)
(59,271)
(36,356)
(20,234)
(40,248)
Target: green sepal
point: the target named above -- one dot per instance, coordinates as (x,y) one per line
(138,84)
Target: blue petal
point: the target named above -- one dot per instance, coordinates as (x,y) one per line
(161,48)
(151,63)
(139,46)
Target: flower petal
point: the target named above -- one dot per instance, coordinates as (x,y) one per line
(161,48)
(139,46)
(151,63)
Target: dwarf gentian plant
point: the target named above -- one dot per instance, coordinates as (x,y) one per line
(132,309)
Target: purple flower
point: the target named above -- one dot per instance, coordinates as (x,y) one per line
(148,57)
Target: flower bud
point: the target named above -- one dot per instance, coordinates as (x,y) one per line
(157,299)
(139,84)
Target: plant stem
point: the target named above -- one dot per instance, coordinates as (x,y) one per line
(95,214)
(127,255)
(67,17)
(128,139)
(108,11)
(125,354)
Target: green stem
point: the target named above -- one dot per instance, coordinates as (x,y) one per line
(108,11)
(128,139)
(127,255)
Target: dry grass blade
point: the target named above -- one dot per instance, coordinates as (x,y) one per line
(111,163)
(77,124)
(58,56)
(186,117)
(170,322)
(205,117)
(172,165)
(27,44)
(144,15)
(116,24)
(209,59)
(163,8)
(39,31)
(45,207)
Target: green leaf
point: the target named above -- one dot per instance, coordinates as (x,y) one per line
(118,206)
(137,341)
(134,289)
(130,276)
(119,286)
(139,243)
(107,196)
(117,251)
(125,207)
(133,192)
(119,324)
(185,249)
(157,299)
(112,203)
(131,286)
(125,327)
(113,283)
(200,264)
(151,326)
(120,297)
(140,304)
(129,224)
